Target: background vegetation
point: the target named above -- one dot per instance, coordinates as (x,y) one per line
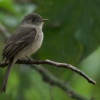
(72,35)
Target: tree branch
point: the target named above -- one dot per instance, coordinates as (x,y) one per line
(48,77)
(59,65)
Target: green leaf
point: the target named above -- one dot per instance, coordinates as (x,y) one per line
(72,31)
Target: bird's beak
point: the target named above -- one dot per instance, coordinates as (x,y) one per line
(44,20)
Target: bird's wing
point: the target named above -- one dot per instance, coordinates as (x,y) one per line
(17,42)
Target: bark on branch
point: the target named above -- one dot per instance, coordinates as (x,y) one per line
(49,78)
(59,65)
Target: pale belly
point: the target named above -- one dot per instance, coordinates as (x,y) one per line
(31,48)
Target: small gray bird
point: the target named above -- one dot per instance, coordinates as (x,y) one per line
(24,42)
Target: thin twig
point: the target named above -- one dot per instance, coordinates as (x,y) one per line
(59,65)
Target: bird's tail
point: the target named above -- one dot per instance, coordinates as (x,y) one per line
(10,65)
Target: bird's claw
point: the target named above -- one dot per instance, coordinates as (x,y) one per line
(28,59)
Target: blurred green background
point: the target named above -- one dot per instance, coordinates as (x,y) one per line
(72,35)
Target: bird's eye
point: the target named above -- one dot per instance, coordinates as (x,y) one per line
(33,19)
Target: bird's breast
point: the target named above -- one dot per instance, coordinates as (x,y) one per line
(32,47)
(36,44)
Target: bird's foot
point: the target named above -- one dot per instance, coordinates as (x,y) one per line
(19,59)
(28,59)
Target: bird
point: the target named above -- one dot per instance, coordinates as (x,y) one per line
(24,42)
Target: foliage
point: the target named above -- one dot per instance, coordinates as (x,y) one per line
(71,35)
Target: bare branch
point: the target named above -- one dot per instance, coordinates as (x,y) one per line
(59,65)
(49,78)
